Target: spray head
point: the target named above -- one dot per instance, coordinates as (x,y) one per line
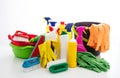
(47,19)
(80,29)
(53,23)
(68,27)
(73,37)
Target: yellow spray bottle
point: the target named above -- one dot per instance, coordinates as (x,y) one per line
(72,52)
(61,27)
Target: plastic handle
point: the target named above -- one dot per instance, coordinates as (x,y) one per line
(9,37)
(20,32)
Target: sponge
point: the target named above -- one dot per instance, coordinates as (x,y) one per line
(57,66)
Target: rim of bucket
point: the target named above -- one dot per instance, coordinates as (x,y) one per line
(20,47)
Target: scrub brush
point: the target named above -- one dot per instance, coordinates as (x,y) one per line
(57,66)
(21,36)
(31,64)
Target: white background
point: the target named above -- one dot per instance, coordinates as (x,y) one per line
(27,15)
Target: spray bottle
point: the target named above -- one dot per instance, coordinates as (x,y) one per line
(63,45)
(80,46)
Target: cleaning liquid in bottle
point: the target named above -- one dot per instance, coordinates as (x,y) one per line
(72,52)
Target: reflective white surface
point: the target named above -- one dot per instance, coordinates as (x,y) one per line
(26,15)
(11,68)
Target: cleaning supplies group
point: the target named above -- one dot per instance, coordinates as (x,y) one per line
(58,49)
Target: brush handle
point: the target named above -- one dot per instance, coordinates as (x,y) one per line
(21,33)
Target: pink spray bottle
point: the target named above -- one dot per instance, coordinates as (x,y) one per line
(80,45)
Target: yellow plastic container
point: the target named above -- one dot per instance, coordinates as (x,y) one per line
(72,54)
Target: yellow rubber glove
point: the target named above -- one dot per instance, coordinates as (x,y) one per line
(56,45)
(46,53)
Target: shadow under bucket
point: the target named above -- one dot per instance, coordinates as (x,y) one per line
(88,24)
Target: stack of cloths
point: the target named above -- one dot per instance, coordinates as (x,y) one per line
(89,61)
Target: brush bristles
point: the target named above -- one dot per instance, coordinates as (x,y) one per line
(55,62)
(17,38)
(31,68)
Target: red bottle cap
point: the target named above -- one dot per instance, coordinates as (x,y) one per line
(62,22)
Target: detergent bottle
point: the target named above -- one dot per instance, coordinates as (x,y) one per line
(72,52)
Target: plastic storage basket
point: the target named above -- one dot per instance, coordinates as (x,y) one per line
(22,51)
(88,24)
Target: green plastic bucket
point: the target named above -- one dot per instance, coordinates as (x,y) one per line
(22,51)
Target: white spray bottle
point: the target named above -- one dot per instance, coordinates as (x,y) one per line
(63,45)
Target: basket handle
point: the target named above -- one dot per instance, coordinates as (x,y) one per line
(9,37)
(21,33)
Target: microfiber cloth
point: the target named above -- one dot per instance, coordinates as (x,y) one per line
(99,37)
(89,61)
